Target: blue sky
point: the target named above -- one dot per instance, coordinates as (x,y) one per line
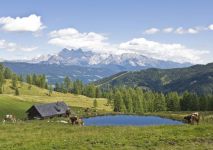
(176,30)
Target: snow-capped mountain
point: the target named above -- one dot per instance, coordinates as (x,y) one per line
(86,65)
(40,58)
(128,61)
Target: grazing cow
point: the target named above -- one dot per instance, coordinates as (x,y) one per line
(80,122)
(11,118)
(75,120)
(194,117)
(188,118)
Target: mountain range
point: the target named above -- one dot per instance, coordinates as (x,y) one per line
(87,65)
(127,61)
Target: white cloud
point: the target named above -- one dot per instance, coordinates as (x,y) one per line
(151,31)
(210,27)
(168,30)
(73,39)
(172,52)
(31,23)
(10,46)
(181,30)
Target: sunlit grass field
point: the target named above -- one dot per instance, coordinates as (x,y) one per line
(44,135)
(35,95)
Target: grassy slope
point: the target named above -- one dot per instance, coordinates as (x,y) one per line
(11,104)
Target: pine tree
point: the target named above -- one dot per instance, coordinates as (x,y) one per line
(78,87)
(98,92)
(50,88)
(149,101)
(127,100)
(8,73)
(17,92)
(140,100)
(29,81)
(67,84)
(203,102)
(160,102)
(90,90)
(34,80)
(185,101)
(118,102)
(62,88)
(95,103)
(194,102)
(21,79)
(1,78)
(173,101)
(14,81)
(57,87)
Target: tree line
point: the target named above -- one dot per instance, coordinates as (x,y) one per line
(136,100)
(133,100)
(77,87)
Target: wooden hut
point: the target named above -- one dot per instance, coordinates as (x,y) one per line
(49,110)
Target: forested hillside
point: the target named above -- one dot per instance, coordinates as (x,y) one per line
(198,79)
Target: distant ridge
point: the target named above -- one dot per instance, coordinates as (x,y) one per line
(197,78)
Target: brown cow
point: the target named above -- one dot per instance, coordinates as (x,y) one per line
(194,117)
(76,121)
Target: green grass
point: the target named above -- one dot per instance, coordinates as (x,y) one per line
(17,105)
(38,95)
(11,105)
(56,136)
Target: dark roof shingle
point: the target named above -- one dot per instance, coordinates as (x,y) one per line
(51,109)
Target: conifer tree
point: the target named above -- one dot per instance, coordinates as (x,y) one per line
(95,103)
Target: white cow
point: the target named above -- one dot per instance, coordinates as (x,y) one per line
(9,118)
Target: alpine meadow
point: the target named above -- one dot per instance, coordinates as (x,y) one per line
(111,75)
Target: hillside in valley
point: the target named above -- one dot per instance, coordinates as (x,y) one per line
(56,73)
(198,78)
(17,105)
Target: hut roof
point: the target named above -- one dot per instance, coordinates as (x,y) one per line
(50,109)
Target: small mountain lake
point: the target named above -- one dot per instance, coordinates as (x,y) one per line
(129,120)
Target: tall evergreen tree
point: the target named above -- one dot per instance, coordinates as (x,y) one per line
(203,102)
(185,101)
(160,102)
(14,81)
(29,81)
(173,101)
(95,103)
(1,78)
(8,73)
(67,84)
(118,102)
